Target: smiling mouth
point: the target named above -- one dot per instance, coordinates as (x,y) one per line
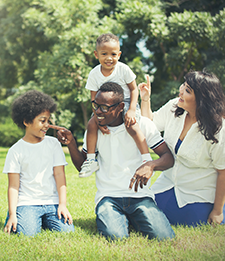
(100,118)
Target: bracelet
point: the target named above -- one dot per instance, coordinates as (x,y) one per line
(145,100)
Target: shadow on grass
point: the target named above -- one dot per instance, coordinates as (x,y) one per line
(88,225)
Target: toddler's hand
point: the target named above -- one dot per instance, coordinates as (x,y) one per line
(104,129)
(130,118)
(145,89)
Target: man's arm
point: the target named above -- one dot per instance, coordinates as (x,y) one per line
(65,137)
(145,171)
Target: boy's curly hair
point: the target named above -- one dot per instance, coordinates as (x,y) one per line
(29,105)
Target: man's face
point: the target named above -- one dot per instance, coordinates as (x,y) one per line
(114,115)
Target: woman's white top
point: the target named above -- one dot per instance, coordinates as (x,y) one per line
(194,174)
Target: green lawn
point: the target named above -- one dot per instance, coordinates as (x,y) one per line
(201,243)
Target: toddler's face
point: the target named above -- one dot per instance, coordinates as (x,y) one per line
(108,54)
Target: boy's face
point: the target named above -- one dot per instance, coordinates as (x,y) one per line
(35,131)
(108,54)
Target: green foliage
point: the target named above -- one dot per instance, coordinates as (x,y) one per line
(9,132)
(49,44)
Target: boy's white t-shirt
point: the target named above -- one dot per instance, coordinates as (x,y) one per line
(34,163)
(122,75)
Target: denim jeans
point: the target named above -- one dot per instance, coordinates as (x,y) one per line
(114,215)
(30,219)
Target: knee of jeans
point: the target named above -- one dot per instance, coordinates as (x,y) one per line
(27,230)
(110,232)
(105,219)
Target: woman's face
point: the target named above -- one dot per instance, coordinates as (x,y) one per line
(187,98)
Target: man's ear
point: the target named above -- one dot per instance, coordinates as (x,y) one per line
(121,106)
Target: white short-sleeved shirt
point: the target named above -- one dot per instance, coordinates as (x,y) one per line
(194,174)
(119,157)
(34,163)
(122,75)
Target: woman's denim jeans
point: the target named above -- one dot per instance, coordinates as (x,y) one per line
(30,219)
(114,215)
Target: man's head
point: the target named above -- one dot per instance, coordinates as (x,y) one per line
(108,104)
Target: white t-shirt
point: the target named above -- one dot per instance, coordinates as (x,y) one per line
(34,163)
(122,75)
(194,174)
(119,157)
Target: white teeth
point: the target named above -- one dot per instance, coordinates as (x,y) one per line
(100,118)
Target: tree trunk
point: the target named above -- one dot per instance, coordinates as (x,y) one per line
(84,110)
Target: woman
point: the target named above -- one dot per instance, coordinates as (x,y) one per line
(193,191)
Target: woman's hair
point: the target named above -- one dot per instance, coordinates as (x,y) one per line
(210,107)
(29,105)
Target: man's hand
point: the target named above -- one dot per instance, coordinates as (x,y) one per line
(64,136)
(142,175)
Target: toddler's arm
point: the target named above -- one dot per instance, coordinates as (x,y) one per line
(13,189)
(60,180)
(130,115)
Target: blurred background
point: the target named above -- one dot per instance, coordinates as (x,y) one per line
(48,45)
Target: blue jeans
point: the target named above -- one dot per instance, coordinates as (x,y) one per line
(114,215)
(30,219)
(191,214)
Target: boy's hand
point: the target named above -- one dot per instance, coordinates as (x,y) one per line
(63,211)
(64,136)
(130,118)
(11,224)
(145,89)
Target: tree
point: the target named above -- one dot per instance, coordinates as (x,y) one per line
(178,41)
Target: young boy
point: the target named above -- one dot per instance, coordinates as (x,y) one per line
(111,70)
(35,168)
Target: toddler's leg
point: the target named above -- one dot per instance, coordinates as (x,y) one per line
(140,140)
(90,165)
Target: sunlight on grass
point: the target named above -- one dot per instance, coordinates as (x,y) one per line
(201,243)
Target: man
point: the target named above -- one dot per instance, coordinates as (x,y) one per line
(117,204)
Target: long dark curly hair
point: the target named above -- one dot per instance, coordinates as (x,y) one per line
(29,105)
(210,106)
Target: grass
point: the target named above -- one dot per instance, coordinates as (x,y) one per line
(201,243)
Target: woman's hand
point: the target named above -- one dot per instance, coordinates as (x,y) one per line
(215,218)
(145,89)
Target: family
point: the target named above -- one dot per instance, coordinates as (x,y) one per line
(189,191)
